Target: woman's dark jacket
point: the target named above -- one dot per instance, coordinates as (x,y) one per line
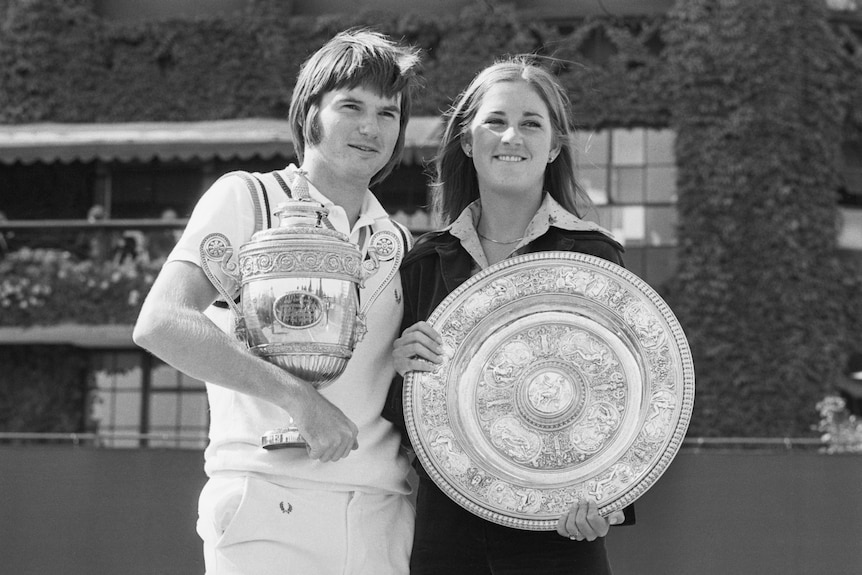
(439,263)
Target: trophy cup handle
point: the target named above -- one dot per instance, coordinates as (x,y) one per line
(370,265)
(384,246)
(216,248)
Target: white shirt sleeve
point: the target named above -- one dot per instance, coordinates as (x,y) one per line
(225,208)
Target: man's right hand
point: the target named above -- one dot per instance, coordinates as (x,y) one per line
(329,433)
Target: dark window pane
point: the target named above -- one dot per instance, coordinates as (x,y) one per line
(46,191)
(147,190)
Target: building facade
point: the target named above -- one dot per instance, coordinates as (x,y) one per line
(147,175)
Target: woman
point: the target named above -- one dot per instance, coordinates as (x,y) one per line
(505,186)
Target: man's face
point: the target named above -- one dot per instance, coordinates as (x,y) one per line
(358,130)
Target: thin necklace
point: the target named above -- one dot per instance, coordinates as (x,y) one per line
(493,241)
(484,237)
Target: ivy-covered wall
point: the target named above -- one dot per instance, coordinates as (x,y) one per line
(43,388)
(61,63)
(759,117)
(760,92)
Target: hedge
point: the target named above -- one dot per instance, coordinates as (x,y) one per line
(61,63)
(759,285)
(44,389)
(761,93)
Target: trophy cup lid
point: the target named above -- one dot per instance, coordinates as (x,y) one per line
(301,216)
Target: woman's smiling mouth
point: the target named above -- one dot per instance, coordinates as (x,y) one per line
(510,158)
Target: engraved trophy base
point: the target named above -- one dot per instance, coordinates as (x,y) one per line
(282,438)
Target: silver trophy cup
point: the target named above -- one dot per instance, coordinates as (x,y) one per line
(299,297)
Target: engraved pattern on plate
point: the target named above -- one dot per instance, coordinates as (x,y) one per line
(588,395)
(534,388)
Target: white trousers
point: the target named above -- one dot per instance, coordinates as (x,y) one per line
(252,527)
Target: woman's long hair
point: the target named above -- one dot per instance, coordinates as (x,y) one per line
(455,184)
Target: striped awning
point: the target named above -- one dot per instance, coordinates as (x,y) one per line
(184,141)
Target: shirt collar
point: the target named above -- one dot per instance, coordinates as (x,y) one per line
(464,228)
(370,212)
(550,213)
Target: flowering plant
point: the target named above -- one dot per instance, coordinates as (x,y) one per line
(50,286)
(841,431)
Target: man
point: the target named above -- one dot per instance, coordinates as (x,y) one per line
(341,505)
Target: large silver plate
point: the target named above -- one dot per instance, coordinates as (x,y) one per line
(566,377)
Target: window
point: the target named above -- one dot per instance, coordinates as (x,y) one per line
(179,412)
(850,230)
(139,401)
(630,175)
(850,194)
(116,400)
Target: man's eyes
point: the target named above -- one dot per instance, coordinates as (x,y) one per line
(358,108)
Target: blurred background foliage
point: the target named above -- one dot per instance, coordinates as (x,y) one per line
(761,95)
(41,391)
(45,286)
